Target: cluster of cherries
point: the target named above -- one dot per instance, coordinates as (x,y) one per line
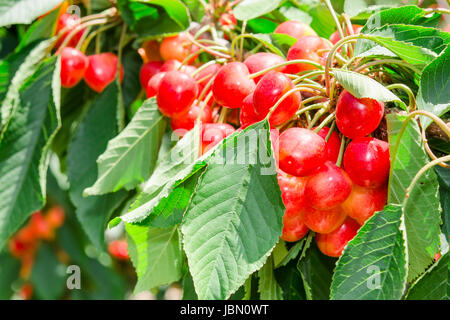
(24,244)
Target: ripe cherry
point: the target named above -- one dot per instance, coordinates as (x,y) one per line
(335,37)
(69,22)
(328,187)
(55,217)
(205,75)
(26,291)
(177,47)
(295,29)
(263,60)
(40,226)
(177,90)
(323,221)
(148,70)
(333,143)
(366,160)
(364,202)
(170,65)
(301,151)
(248,115)
(333,243)
(186,121)
(213,133)
(269,90)
(73,66)
(231,85)
(310,48)
(293,228)
(118,249)
(153,84)
(102,71)
(227,19)
(357,117)
(292,193)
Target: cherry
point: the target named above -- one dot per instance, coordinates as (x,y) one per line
(366,161)
(102,71)
(328,187)
(26,291)
(177,47)
(205,75)
(150,51)
(228,19)
(263,60)
(186,121)
(357,117)
(274,136)
(333,143)
(170,65)
(40,226)
(55,217)
(335,37)
(295,29)
(248,115)
(118,249)
(188,69)
(213,133)
(177,90)
(292,193)
(153,84)
(269,90)
(364,202)
(73,66)
(293,228)
(69,21)
(231,85)
(323,221)
(333,243)
(148,70)
(301,151)
(310,48)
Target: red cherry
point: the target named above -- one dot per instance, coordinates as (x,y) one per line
(357,117)
(248,115)
(177,47)
(55,217)
(188,69)
(205,75)
(263,60)
(310,48)
(102,71)
(335,37)
(366,160)
(118,249)
(364,202)
(333,243)
(301,151)
(26,291)
(269,90)
(69,21)
(186,121)
(292,193)
(333,143)
(227,19)
(177,90)
(293,228)
(323,221)
(170,65)
(295,29)
(231,85)
(153,84)
(73,66)
(41,227)
(213,133)
(328,187)
(148,70)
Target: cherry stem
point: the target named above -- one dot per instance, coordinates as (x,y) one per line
(309,108)
(79,28)
(341,151)
(318,114)
(205,89)
(385,61)
(241,51)
(335,18)
(419,175)
(412,99)
(428,149)
(207,49)
(121,107)
(282,98)
(327,120)
(91,35)
(223,115)
(286,63)
(330,132)
(202,107)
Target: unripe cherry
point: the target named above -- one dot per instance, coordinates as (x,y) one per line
(269,90)
(73,66)
(307,48)
(366,160)
(301,151)
(177,90)
(323,221)
(357,118)
(293,228)
(263,60)
(148,70)
(102,71)
(295,29)
(231,85)
(333,243)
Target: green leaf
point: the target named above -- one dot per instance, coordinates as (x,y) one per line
(48,275)
(138,145)
(373,264)
(434,90)
(24,148)
(292,13)
(131,86)
(24,11)
(90,140)
(362,86)
(422,205)
(322,21)
(9,269)
(176,10)
(234,219)
(292,253)
(268,287)
(290,280)
(158,256)
(444,194)
(434,284)
(277,43)
(250,9)
(261,25)
(316,271)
